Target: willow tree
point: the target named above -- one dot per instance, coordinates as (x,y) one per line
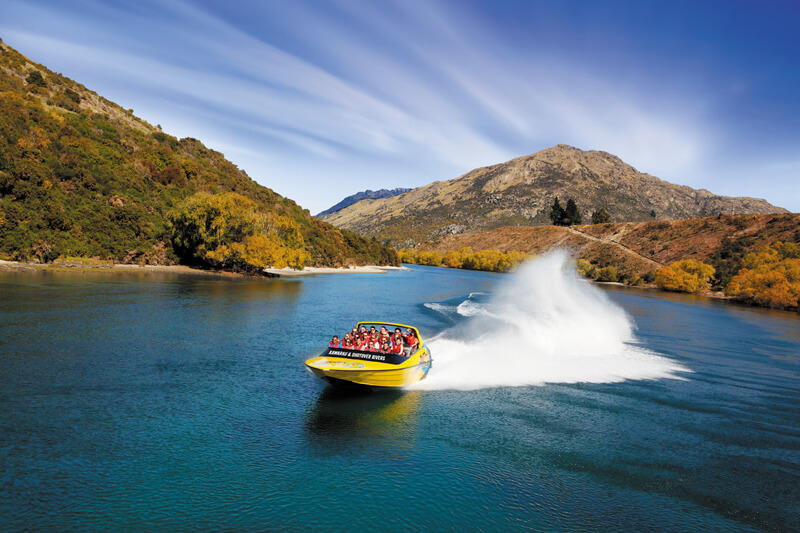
(228,231)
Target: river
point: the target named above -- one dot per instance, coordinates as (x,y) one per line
(162,402)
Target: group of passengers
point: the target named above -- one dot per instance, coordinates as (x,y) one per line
(382,341)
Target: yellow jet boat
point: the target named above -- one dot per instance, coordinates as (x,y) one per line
(344,366)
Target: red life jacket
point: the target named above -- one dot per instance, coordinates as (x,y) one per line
(347,344)
(333,344)
(397,348)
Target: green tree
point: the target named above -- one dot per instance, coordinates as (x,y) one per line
(608,273)
(36,78)
(572,215)
(557,213)
(601,216)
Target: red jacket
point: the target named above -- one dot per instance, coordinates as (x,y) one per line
(333,344)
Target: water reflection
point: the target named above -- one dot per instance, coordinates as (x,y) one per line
(344,420)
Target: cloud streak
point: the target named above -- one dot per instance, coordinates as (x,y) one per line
(324,99)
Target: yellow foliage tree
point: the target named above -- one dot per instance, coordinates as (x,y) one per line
(452,259)
(769,277)
(429,258)
(228,231)
(407,256)
(687,275)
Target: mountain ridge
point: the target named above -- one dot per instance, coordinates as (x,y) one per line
(368,194)
(521,192)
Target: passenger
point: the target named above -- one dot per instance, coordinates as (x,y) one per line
(385,346)
(372,330)
(334,342)
(397,345)
(363,330)
(397,335)
(384,331)
(354,332)
(347,342)
(375,343)
(412,341)
(363,343)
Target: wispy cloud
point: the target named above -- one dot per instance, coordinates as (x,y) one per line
(322,99)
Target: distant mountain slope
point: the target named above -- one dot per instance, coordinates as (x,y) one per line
(636,248)
(521,192)
(368,194)
(81,176)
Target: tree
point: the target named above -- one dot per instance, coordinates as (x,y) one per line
(557,213)
(573,216)
(228,231)
(770,277)
(452,259)
(601,216)
(687,275)
(36,78)
(608,273)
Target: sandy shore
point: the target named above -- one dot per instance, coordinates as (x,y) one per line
(307,271)
(181,269)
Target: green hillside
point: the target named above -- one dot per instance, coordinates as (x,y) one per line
(81,176)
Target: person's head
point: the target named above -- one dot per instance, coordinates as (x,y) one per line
(355,330)
(335,338)
(397,331)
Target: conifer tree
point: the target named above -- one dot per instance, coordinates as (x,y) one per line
(572,215)
(557,213)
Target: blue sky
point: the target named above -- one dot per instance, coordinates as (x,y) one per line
(321,99)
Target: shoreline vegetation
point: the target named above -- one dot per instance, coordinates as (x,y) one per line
(82,265)
(767,277)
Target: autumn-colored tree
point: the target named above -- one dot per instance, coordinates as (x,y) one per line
(687,275)
(429,258)
(407,256)
(585,268)
(452,259)
(227,231)
(769,277)
(608,274)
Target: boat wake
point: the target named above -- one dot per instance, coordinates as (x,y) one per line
(543,325)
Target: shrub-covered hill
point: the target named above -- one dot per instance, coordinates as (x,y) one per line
(81,176)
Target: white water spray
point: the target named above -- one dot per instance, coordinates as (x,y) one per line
(543,325)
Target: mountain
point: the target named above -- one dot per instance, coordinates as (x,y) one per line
(350,200)
(520,192)
(82,176)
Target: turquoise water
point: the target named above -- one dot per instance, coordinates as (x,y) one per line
(166,402)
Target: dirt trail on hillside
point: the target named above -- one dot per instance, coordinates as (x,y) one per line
(610,240)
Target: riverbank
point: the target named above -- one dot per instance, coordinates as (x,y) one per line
(102,266)
(309,271)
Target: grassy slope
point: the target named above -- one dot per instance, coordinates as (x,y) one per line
(636,248)
(81,176)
